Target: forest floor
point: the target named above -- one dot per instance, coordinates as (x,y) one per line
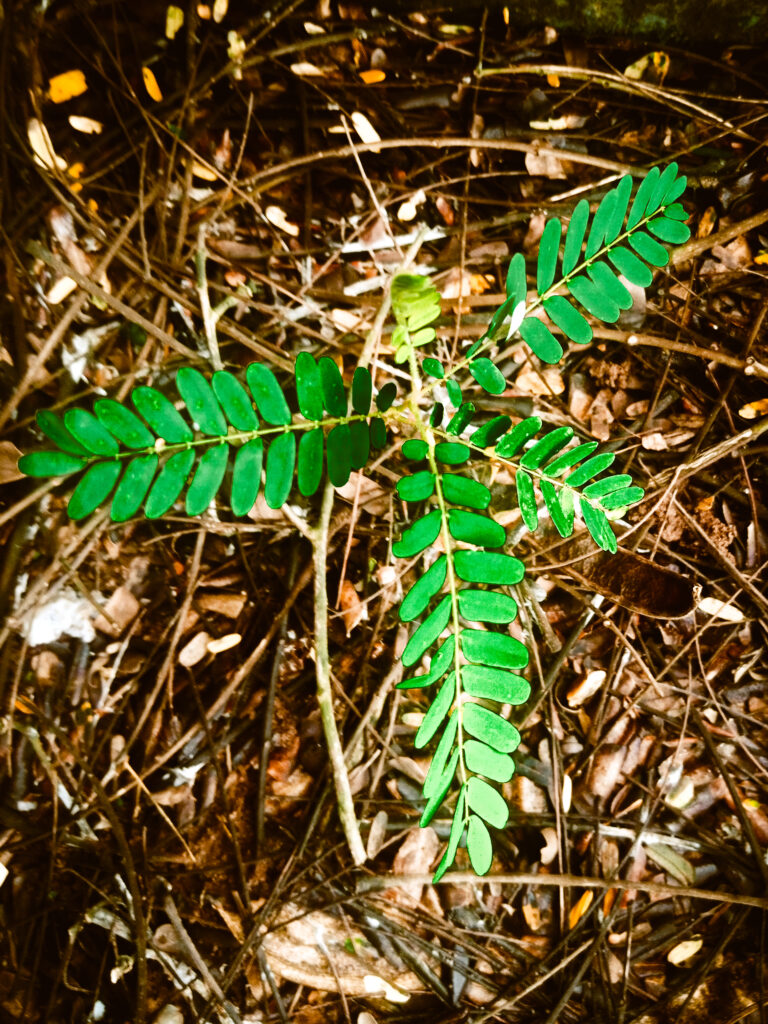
(170,848)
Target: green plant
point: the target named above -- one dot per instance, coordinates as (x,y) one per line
(147,456)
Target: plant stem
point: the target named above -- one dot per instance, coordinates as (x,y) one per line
(346,806)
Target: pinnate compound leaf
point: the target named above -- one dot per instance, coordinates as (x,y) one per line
(86,429)
(479,846)
(55,431)
(49,463)
(598,526)
(235,401)
(486,761)
(339,454)
(310,461)
(541,340)
(417,486)
(457,831)
(133,487)
(462,490)
(123,424)
(439,708)
(488,567)
(201,402)
(208,478)
(487,802)
(334,396)
(473,528)
(281,461)
(169,483)
(268,395)
(246,476)
(309,388)
(426,634)
(161,415)
(423,590)
(488,376)
(490,727)
(486,606)
(92,488)
(418,536)
(495,684)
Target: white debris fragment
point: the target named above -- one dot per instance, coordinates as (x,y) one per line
(66,614)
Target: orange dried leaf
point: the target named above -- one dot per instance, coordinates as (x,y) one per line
(579,909)
(66,86)
(150,84)
(372,76)
(554,81)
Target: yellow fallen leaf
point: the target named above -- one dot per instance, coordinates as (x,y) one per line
(204,12)
(365,129)
(150,84)
(554,81)
(42,147)
(754,409)
(60,290)
(304,67)
(223,643)
(372,76)
(87,125)
(276,216)
(219,10)
(174,19)
(720,609)
(684,951)
(201,171)
(75,170)
(580,908)
(67,85)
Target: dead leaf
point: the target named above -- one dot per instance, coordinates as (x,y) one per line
(224,643)
(723,610)
(66,86)
(86,125)
(545,165)
(352,608)
(684,951)
(377,835)
(415,857)
(276,216)
(9,457)
(365,129)
(150,84)
(373,76)
(579,909)
(119,611)
(222,604)
(194,651)
(42,147)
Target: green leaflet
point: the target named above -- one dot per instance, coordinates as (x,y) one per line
(574,239)
(437,712)
(473,528)
(526,499)
(516,439)
(310,461)
(92,488)
(486,606)
(560,507)
(416,304)
(169,483)
(429,630)
(360,442)
(486,761)
(123,424)
(415,449)
(491,728)
(549,445)
(309,388)
(234,400)
(50,464)
(386,396)
(418,536)
(622,497)
(569,458)
(417,487)
(495,649)
(437,667)
(334,396)
(461,419)
(246,476)
(488,567)
(479,846)
(549,247)
(487,376)
(423,590)
(452,453)
(598,526)
(362,390)
(339,454)
(440,757)
(281,459)
(487,802)
(461,490)
(589,469)
(161,415)
(268,395)
(201,401)
(208,478)
(86,429)
(441,788)
(541,340)
(565,316)
(495,684)
(55,431)
(606,485)
(457,830)
(487,435)
(133,487)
